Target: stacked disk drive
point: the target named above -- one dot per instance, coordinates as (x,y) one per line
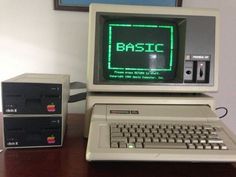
(34,110)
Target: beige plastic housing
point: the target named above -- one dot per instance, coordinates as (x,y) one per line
(143,99)
(98,147)
(41,78)
(128,9)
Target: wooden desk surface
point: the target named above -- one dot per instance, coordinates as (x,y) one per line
(69,161)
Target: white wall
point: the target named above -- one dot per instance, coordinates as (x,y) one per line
(36,38)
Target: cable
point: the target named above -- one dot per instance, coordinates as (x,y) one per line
(226,111)
(77,85)
(79,96)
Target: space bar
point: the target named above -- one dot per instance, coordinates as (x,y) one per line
(165,145)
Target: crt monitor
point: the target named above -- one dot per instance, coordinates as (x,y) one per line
(152,49)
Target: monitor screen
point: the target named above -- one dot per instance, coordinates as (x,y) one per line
(152,49)
(139,50)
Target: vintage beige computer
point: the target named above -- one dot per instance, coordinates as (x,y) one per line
(148,70)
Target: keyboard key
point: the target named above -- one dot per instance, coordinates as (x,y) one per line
(121,126)
(187,136)
(154,130)
(165,145)
(191,146)
(142,126)
(202,141)
(139,139)
(130,145)
(198,132)
(168,131)
(207,127)
(134,134)
(165,136)
(202,136)
(150,135)
(142,135)
(127,135)
(187,141)
(157,135)
(163,126)
(216,140)
(178,140)
(114,145)
(212,136)
(116,134)
(132,130)
(183,131)
(207,146)
(149,126)
(146,130)
(205,132)
(190,132)
(223,147)
(163,140)
(119,139)
(124,130)
(138,145)
(147,140)
(128,126)
(194,136)
(180,136)
(184,127)
(176,131)
(172,135)
(199,127)
(177,127)
(134,126)
(171,140)
(191,127)
(212,132)
(215,146)
(199,146)
(131,140)
(156,126)
(155,140)
(122,145)
(194,140)
(139,130)
(115,130)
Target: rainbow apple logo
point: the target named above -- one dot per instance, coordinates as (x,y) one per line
(51,107)
(51,139)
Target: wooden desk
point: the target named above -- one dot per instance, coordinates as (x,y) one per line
(69,161)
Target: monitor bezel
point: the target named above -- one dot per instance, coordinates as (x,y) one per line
(95,9)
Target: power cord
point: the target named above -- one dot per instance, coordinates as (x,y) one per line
(79,96)
(225,109)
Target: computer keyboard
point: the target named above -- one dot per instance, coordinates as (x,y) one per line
(165,136)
